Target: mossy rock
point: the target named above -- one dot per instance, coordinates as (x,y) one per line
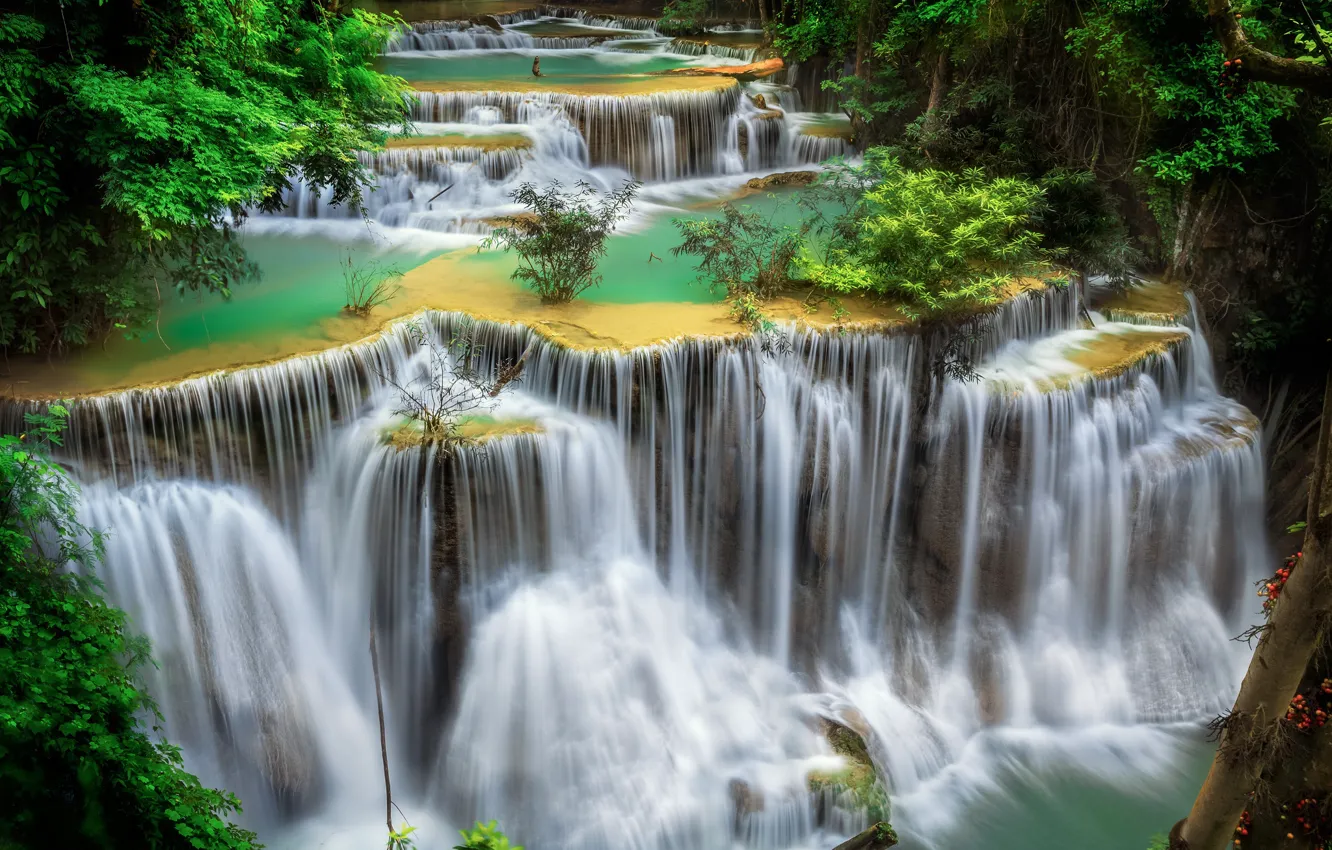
(859,779)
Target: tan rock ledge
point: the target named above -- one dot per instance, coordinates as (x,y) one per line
(482,141)
(1153,302)
(743,73)
(623,84)
(476,429)
(460,281)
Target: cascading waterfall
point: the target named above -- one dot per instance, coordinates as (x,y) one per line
(567,134)
(618,129)
(598,632)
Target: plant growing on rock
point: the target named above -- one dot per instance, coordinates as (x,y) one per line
(448,387)
(562,236)
(367,285)
(939,241)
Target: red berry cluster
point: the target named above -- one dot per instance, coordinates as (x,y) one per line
(1233,79)
(1312,820)
(1272,587)
(1307,711)
(1245,824)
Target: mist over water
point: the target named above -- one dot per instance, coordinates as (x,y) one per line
(620,629)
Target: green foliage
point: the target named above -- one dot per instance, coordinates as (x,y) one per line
(76,768)
(884,834)
(367,285)
(1159,842)
(561,236)
(401,838)
(743,253)
(1163,59)
(1079,224)
(680,17)
(129,135)
(939,241)
(486,836)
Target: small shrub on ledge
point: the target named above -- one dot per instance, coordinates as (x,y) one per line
(937,241)
(562,236)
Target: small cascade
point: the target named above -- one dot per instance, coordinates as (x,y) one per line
(820,148)
(619,130)
(691,47)
(462,35)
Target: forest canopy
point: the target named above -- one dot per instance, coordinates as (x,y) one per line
(133,131)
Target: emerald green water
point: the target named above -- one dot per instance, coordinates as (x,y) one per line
(589,67)
(1051,799)
(301,283)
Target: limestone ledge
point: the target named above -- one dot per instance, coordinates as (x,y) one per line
(1104,357)
(481,141)
(617,85)
(454,283)
(473,430)
(1150,302)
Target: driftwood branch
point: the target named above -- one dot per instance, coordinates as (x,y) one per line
(1259,64)
(877,836)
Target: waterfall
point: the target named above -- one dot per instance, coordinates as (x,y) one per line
(620,630)
(619,130)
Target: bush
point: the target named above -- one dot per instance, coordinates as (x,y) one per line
(450,388)
(1080,225)
(679,17)
(368,285)
(742,253)
(561,236)
(486,836)
(76,767)
(938,241)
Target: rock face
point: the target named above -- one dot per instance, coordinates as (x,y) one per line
(743,73)
(855,786)
(783,178)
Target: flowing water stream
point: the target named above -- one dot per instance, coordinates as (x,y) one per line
(618,628)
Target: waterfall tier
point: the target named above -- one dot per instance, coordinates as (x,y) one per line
(597,628)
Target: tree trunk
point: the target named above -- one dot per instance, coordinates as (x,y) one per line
(383,737)
(938,88)
(1274,674)
(1259,64)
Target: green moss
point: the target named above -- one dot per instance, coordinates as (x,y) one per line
(858,777)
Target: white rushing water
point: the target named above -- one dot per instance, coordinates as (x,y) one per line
(621,631)
(548,133)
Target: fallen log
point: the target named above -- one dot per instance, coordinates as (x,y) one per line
(876,837)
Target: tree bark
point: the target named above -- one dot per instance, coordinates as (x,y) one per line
(1274,673)
(1259,64)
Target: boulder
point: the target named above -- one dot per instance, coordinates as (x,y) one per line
(783,178)
(856,784)
(743,73)
(487,21)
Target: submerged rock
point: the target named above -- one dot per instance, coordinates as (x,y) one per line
(856,785)
(783,178)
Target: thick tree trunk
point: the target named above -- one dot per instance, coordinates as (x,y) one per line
(1274,674)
